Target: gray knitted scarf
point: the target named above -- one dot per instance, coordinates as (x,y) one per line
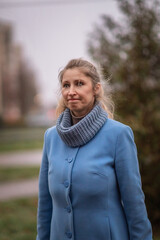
(82,132)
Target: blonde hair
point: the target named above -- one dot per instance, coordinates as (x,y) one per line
(104,97)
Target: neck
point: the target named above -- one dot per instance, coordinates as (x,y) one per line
(76,119)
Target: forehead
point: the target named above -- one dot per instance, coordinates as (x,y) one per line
(74,74)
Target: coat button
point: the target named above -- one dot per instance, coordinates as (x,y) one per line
(66,184)
(69,234)
(68,209)
(70,160)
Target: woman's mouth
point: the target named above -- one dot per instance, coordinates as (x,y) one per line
(72,100)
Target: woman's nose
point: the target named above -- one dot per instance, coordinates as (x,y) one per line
(71,90)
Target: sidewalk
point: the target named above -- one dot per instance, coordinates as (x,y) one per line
(21,158)
(22,188)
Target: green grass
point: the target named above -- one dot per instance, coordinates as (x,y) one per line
(21,139)
(18,219)
(17,173)
(9,147)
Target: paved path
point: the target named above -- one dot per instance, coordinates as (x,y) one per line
(21,158)
(23,188)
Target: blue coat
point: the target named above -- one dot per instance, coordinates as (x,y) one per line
(92,192)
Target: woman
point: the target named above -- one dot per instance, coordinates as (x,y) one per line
(89,184)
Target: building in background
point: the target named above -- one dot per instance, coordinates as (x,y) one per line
(17,79)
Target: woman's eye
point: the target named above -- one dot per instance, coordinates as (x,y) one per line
(66,85)
(79,83)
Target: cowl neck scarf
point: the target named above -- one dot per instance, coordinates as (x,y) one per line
(82,132)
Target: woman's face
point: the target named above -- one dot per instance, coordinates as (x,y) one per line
(77,91)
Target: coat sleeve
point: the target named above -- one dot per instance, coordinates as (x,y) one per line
(44,201)
(129,180)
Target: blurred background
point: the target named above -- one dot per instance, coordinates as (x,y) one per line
(37,39)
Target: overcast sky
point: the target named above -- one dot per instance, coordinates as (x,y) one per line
(52,34)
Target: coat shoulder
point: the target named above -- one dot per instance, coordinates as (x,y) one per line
(115,128)
(115,125)
(50,132)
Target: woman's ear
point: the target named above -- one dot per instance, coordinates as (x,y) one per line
(97,88)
